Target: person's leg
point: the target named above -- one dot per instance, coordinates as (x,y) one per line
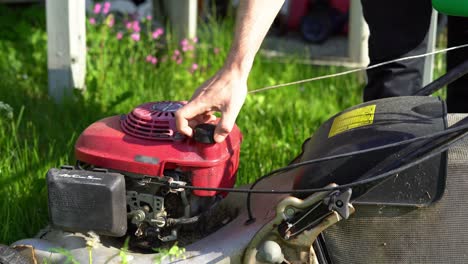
(398,28)
(457,92)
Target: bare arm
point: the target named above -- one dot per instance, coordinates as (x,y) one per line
(225,92)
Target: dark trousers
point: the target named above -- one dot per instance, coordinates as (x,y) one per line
(399,28)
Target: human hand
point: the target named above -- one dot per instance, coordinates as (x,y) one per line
(225,92)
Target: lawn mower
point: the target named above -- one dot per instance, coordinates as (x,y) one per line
(380,182)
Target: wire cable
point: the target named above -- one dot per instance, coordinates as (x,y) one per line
(460,128)
(358,70)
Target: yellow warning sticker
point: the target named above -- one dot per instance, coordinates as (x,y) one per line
(359,117)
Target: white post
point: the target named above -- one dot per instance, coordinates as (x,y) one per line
(183,17)
(431,40)
(358,35)
(66,46)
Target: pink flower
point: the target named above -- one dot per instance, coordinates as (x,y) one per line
(110,21)
(148,17)
(119,35)
(179,61)
(195,40)
(136,26)
(154,35)
(176,56)
(106,8)
(135,36)
(97,8)
(193,68)
(128,25)
(216,51)
(92,20)
(157,33)
(186,45)
(151,59)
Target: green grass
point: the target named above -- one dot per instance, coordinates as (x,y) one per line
(39,134)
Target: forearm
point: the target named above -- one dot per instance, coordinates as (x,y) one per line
(254,18)
(226,91)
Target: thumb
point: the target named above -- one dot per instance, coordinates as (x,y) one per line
(185,114)
(224,127)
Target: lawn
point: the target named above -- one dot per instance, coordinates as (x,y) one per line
(36,134)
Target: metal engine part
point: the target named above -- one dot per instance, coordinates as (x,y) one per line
(159,213)
(146,149)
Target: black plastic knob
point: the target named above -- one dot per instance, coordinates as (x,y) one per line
(204,133)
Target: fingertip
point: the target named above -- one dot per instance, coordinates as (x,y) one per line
(221,132)
(179,118)
(219,138)
(182,124)
(188,131)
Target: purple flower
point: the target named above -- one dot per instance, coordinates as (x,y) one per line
(106,8)
(135,36)
(148,17)
(97,8)
(92,20)
(119,35)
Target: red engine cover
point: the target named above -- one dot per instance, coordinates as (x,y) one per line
(146,142)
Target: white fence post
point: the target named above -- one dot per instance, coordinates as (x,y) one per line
(358,35)
(66,46)
(183,17)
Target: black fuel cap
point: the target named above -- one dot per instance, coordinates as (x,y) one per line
(204,133)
